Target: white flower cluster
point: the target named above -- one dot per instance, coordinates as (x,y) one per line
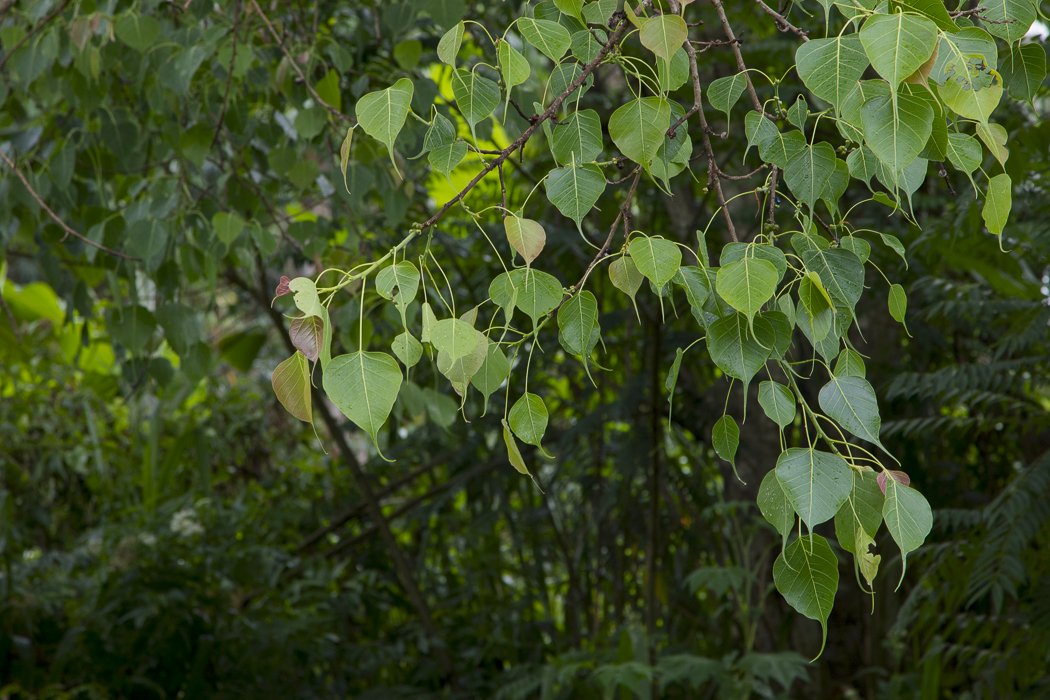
(184,523)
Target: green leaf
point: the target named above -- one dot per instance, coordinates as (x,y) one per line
(382,114)
(228,226)
(513,453)
(552,39)
(735,350)
(849,363)
(462,369)
(816,483)
(578,329)
(725,438)
(861,511)
(1025,70)
(896,128)
(774,505)
(476,96)
(600,11)
(407,349)
(724,93)
(839,270)
(997,203)
(807,574)
(492,373)
(965,56)
(344,155)
(763,251)
(451,41)
(140,32)
(514,67)
(808,171)
(1008,19)
(964,153)
(933,9)
(830,68)
(638,128)
(574,190)
(908,518)
(672,74)
(446,157)
(994,137)
(525,236)
(851,402)
(528,419)
(747,284)
(573,8)
(657,258)
(364,387)
(977,104)
(777,402)
(398,283)
(898,303)
(441,132)
(291,384)
(455,337)
(897,45)
(304,294)
(624,275)
(663,34)
(535,292)
(578,139)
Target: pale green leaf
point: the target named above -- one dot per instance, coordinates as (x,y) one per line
(908,518)
(997,203)
(492,373)
(663,34)
(747,284)
(364,387)
(407,349)
(476,96)
(638,128)
(382,113)
(552,39)
(897,45)
(657,258)
(448,46)
(578,329)
(578,139)
(851,402)
(1008,19)
(525,236)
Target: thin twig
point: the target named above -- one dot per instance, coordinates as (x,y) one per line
(735,44)
(782,22)
(229,76)
(32,32)
(69,230)
(519,142)
(295,66)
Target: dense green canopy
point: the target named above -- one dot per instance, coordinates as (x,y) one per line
(552,349)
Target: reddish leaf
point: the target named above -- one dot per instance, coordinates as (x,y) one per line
(898,476)
(306,334)
(282,287)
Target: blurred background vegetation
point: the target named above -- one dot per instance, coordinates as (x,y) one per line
(166,530)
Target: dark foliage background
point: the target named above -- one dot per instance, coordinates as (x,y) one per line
(166,530)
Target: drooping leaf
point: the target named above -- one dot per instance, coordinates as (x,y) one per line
(897,45)
(808,171)
(528,419)
(831,67)
(747,284)
(723,93)
(574,190)
(851,402)
(291,384)
(861,511)
(455,337)
(407,349)
(777,402)
(398,283)
(657,258)
(363,386)
(578,329)
(492,373)
(896,128)
(525,236)
(807,574)
(578,139)
(908,518)
(816,483)
(725,438)
(663,34)
(513,453)
(997,203)
(638,127)
(449,44)
(552,39)
(382,113)
(1024,70)
(774,505)
(307,334)
(344,155)
(476,95)
(734,349)
(514,67)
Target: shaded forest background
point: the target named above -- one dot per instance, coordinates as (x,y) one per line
(167,530)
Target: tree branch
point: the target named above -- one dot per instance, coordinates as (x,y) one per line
(782,22)
(69,230)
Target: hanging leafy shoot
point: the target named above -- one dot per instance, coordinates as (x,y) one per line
(891,90)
